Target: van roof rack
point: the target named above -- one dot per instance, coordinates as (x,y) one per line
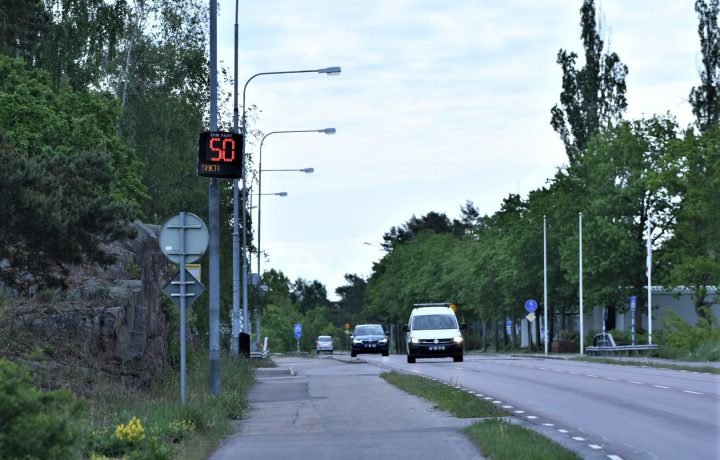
(441,304)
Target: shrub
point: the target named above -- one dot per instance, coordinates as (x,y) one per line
(684,341)
(34,423)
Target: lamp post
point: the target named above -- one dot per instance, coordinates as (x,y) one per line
(236,243)
(305,170)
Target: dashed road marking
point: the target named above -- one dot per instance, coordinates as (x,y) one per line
(561,430)
(531,417)
(614,457)
(613,379)
(636,383)
(662,386)
(507,407)
(594,446)
(578,438)
(519,411)
(591,375)
(693,392)
(574,373)
(548,424)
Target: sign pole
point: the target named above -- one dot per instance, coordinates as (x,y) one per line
(580,291)
(545,293)
(182,308)
(214,217)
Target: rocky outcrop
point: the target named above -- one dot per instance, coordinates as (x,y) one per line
(111,317)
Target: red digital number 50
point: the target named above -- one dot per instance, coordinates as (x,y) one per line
(224,148)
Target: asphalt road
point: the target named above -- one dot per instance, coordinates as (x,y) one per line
(620,412)
(322,408)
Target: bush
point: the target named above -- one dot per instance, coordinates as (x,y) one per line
(34,423)
(687,342)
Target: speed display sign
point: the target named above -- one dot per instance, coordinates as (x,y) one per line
(220,155)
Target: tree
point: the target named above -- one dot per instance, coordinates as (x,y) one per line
(691,256)
(308,295)
(705,99)
(593,97)
(432,221)
(352,300)
(21,37)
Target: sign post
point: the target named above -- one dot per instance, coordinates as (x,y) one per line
(183,238)
(633,306)
(298,334)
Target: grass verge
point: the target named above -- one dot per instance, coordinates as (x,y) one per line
(677,367)
(496,437)
(172,430)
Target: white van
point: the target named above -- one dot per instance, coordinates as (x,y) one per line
(433,332)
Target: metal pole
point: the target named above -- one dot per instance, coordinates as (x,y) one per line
(545,289)
(234,342)
(580,277)
(182,308)
(327,71)
(649,278)
(214,214)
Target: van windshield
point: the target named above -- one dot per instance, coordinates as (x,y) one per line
(427,322)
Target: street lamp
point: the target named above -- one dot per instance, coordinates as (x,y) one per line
(329,131)
(236,258)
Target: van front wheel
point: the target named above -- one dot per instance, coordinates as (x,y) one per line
(410,359)
(458,358)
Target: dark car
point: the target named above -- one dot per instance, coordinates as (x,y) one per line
(369,338)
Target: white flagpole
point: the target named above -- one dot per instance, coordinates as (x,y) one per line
(649,278)
(580,277)
(545,302)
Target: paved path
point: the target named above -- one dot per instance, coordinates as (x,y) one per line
(317,409)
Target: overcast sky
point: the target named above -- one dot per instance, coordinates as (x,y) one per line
(439,102)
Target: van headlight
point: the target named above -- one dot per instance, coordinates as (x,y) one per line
(357,341)
(458,339)
(415,340)
(382,340)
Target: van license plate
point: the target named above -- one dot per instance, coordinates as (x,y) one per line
(438,348)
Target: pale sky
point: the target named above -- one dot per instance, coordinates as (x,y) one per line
(438,102)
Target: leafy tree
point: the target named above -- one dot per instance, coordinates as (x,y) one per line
(619,171)
(691,256)
(592,97)
(308,295)
(705,99)
(432,221)
(21,37)
(352,300)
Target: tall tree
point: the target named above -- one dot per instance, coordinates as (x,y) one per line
(432,221)
(691,257)
(352,300)
(23,24)
(309,294)
(705,99)
(592,97)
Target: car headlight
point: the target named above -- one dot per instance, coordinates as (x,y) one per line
(382,340)
(357,341)
(415,340)
(458,339)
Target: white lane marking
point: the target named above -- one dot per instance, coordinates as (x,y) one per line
(470,392)
(591,375)
(636,383)
(614,457)
(459,368)
(661,386)
(594,446)
(542,368)
(519,411)
(507,407)
(613,379)
(558,370)
(487,398)
(574,373)
(497,402)
(531,417)
(578,438)
(548,424)
(693,392)
(419,372)
(562,430)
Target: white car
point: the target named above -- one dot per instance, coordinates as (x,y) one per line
(324,343)
(433,332)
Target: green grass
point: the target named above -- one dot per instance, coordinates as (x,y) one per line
(190,431)
(496,437)
(502,440)
(678,367)
(456,401)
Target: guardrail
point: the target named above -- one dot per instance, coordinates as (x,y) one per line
(623,350)
(262,352)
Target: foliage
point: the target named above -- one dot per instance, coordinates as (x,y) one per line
(691,256)
(592,97)
(35,423)
(694,343)
(705,99)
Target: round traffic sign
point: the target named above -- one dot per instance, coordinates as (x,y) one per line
(184,232)
(531,305)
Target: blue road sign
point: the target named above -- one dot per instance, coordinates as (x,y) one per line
(298,330)
(531,305)
(633,302)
